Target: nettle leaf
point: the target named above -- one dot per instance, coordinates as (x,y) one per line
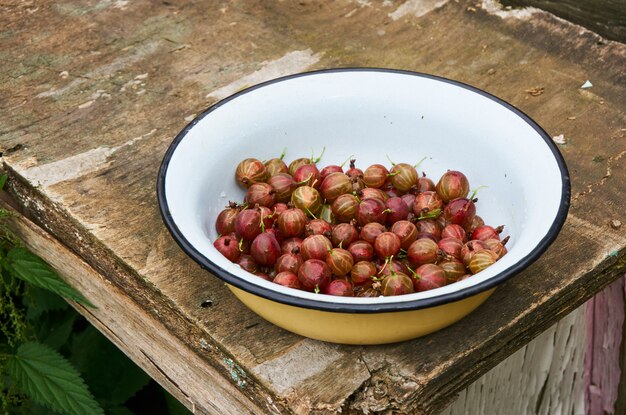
(49,379)
(38,301)
(111,375)
(36,409)
(29,267)
(54,328)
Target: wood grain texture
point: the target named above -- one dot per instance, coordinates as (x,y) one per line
(93,92)
(544,377)
(164,357)
(605,17)
(605,326)
(620,403)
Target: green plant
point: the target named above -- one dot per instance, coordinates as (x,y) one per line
(31,366)
(50,357)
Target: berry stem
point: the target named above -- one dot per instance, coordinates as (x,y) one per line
(310,213)
(314,161)
(282,155)
(392,163)
(475,191)
(305,180)
(432,214)
(419,162)
(347,160)
(387,261)
(384,266)
(414,274)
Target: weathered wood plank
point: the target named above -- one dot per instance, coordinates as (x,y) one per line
(544,377)
(620,403)
(604,321)
(83,149)
(183,372)
(455,357)
(605,17)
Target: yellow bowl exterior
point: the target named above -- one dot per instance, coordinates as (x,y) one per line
(353,328)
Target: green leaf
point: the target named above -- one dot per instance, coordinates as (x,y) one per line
(55,327)
(36,409)
(111,375)
(29,267)
(38,301)
(3,180)
(49,379)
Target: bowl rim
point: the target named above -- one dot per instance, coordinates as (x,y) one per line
(442,299)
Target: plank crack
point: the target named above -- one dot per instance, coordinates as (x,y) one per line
(603,179)
(364,363)
(170,380)
(542,393)
(25,126)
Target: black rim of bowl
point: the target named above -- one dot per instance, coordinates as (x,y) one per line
(269,294)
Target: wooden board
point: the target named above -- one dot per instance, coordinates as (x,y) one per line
(544,377)
(92,93)
(605,17)
(605,351)
(143,337)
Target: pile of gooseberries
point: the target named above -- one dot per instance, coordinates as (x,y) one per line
(355,232)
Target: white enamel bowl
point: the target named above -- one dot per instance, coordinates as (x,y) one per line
(368,113)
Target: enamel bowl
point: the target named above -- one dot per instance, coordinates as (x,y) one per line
(371,114)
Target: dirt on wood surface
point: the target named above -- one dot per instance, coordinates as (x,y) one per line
(93,92)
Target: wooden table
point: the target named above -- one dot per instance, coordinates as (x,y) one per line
(93,92)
